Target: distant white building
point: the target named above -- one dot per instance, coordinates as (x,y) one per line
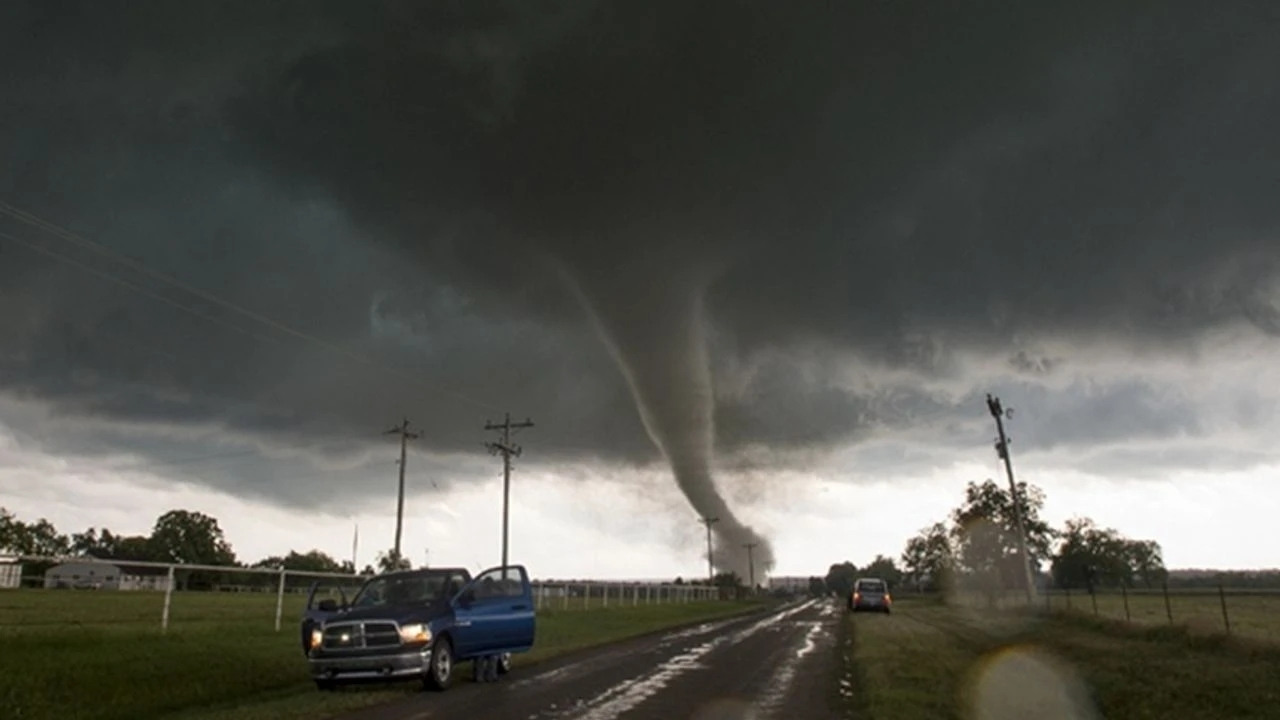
(10,575)
(792,583)
(99,575)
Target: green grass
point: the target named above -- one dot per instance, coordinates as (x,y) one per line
(221,657)
(933,661)
(1252,615)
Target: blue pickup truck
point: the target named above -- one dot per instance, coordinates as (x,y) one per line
(416,624)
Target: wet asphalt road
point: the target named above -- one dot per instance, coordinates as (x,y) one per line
(778,664)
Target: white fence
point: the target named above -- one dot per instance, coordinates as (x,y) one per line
(548,594)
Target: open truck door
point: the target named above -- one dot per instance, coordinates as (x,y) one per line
(325,599)
(494,614)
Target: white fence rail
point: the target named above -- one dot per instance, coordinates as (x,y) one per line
(548,594)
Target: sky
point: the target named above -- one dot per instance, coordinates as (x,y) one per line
(750,261)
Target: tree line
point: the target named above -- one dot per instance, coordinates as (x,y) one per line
(976,548)
(177,536)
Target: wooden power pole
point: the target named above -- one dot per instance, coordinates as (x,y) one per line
(711,573)
(1002,449)
(405,436)
(507,449)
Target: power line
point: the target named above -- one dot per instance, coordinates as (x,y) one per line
(507,449)
(80,241)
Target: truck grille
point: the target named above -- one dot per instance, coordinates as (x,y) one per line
(358,636)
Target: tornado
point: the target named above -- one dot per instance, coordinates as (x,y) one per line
(654,324)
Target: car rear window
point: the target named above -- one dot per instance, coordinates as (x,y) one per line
(870,586)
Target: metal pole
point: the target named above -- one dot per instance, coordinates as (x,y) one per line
(566,596)
(1002,449)
(605,594)
(168,595)
(1168,609)
(1222,597)
(280,599)
(1124,593)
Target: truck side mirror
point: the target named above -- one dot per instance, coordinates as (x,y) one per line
(467,597)
(328,605)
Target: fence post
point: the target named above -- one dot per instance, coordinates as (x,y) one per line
(168,594)
(586,596)
(566,596)
(1068,599)
(635,596)
(1093,596)
(605,594)
(1124,593)
(1222,597)
(1168,609)
(280,598)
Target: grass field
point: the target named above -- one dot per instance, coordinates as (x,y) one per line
(929,660)
(1255,615)
(221,657)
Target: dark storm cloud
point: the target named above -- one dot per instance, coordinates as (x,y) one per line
(438,185)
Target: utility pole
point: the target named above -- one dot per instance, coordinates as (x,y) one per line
(405,436)
(711,573)
(507,450)
(355,546)
(751,564)
(1002,449)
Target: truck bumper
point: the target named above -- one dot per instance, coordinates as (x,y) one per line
(404,664)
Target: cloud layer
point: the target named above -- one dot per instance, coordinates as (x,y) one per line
(887,209)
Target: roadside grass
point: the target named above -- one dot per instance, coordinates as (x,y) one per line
(933,661)
(99,655)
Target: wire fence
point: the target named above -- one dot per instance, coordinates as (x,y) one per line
(56,591)
(1252,612)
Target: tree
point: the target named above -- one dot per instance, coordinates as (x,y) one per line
(817,587)
(40,538)
(727,580)
(134,547)
(885,569)
(840,578)
(11,532)
(91,542)
(679,581)
(986,535)
(927,558)
(191,538)
(389,561)
(1147,561)
(1089,556)
(313,561)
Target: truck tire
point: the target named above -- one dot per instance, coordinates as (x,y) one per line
(439,673)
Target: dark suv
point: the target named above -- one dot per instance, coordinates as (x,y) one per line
(416,624)
(870,594)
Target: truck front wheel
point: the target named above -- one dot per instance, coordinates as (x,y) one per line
(440,666)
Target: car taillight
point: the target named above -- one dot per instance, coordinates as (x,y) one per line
(857,596)
(888,598)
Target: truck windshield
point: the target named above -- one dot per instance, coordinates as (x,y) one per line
(415,589)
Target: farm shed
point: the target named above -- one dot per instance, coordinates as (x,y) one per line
(105,576)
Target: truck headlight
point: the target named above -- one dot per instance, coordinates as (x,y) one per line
(415,634)
(317,636)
